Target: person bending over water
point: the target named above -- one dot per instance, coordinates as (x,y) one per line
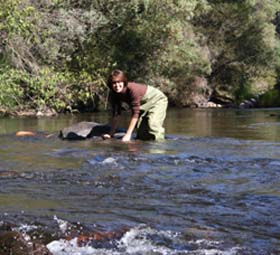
(148,106)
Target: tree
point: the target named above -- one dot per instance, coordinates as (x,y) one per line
(155,42)
(241,39)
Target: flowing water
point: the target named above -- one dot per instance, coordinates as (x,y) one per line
(212,187)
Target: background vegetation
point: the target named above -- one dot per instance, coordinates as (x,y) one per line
(55,55)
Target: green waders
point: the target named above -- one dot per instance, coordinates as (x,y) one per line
(152,115)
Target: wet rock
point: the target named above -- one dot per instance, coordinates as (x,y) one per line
(40,249)
(222,96)
(5,226)
(100,239)
(106,162)
(27,175)
(83,130)
(109,161)
(213,105)
(29,113)
(12,242)
(25,133)
(47,112)
(7,174)
(250,103)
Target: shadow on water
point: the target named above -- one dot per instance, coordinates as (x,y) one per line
(213,187)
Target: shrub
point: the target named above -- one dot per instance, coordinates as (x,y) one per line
(270,99)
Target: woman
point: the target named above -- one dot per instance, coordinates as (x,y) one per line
(148,106)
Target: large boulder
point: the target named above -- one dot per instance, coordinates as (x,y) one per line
(84,130)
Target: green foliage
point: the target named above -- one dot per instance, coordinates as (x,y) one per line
(38,56)
(59,91)
(57,54)
(241,39)
(14,17)
(270,99)
(243,92)
(11,91)
(48,89)
(156,39)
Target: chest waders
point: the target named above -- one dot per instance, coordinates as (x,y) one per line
(152,114)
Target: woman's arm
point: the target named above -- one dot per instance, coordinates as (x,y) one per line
(114,122)
(130,129)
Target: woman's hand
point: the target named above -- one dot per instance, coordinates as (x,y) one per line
(106,136)
(126,138)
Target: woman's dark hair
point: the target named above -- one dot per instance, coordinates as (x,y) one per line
(117,73)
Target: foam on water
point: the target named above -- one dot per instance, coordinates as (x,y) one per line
(141,240)
(64,247)
(63,225)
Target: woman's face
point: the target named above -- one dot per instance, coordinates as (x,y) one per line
(117,85)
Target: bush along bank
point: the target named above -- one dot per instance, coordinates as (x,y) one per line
(55,55)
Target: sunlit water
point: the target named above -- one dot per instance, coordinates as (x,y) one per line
(212,187)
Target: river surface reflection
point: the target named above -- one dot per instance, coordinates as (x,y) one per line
(212,187)
(260,124)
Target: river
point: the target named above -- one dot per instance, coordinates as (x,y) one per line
(212,187)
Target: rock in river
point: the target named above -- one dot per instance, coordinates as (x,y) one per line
(83,130)
(12,242)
